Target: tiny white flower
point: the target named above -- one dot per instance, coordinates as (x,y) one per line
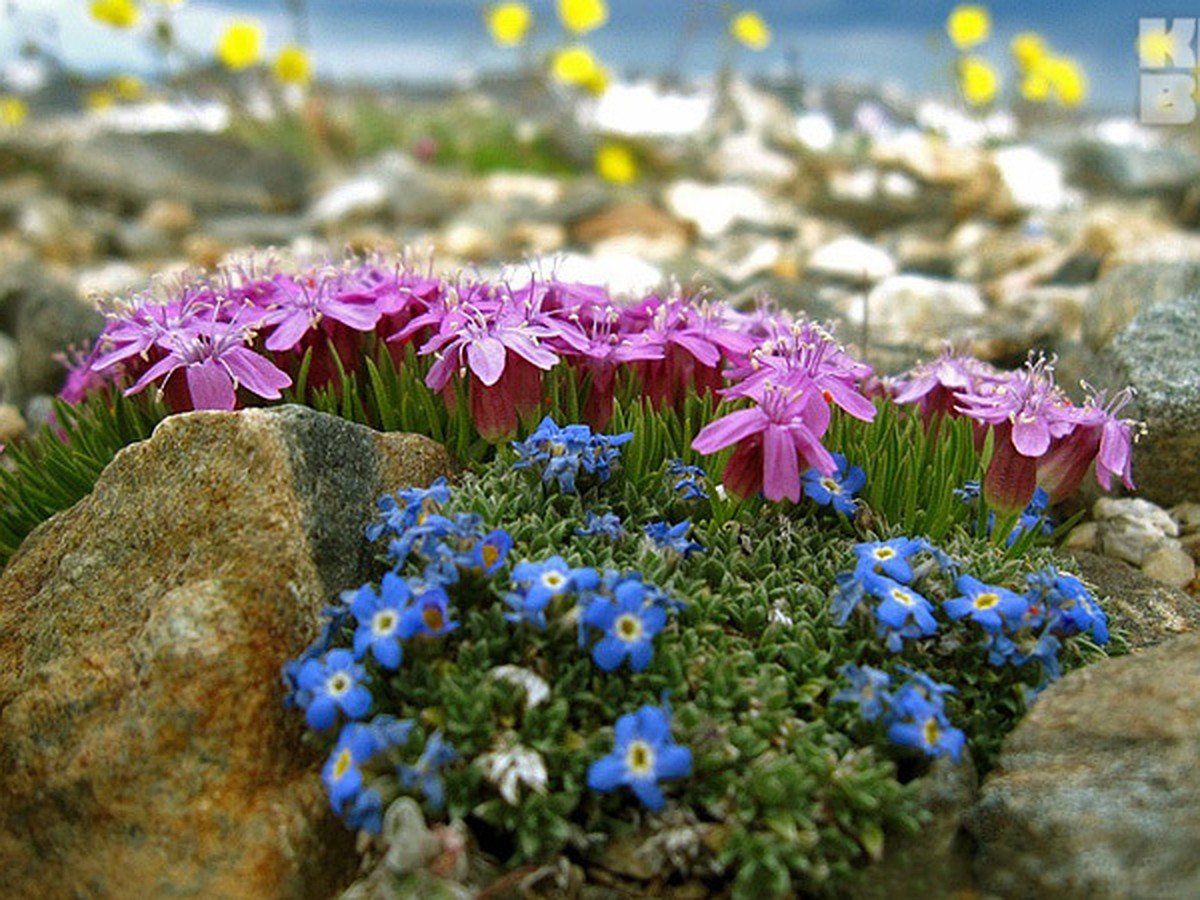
(779,616)
(537,691)
(508,769)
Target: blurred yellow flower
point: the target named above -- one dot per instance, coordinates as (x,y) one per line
(968,25)
(1029,50)
(616,163)
(13,111)
(1154,48)
(127,87)
(240,45)
(977,80)
(99,99)
(1035,86)
(582,16)
(508,23)
(117,13)
(749,28)
(292,66)
(575,65)
(1066,79)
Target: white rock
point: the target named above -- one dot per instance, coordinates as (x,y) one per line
(714,209)
(745,155)
(920,310)
(1034,180)
(1132,540)
(110,280)
(761,258)
(512,767)
(541,190)
(1082,537)
(816,131)
(359,197)
(642,110)
(1187,517)
(622,273)
(1135,508)
(1170,564)
(853,259)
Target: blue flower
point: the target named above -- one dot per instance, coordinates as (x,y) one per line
(607,525)
(1069,605)
(389,731)
(366,813)
(296,696)
(564,452)
(868,688)
(540,582)
(889,557)
(629,621)
(342,773)
(673,537)
(378,618)
(426,774)
(334,682)
(1033,518)
(613,580)
(414,505)
(428,616)
(902,612)
(489,553)
(992,607)
(838,489)
(922,724)
(689,480)
(847,595)
(643,756)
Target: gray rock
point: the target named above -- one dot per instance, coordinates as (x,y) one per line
(52,320)
(1095,792)
(1158,353)
(392,187)
(209,172)
(1144,611)
(1127,290)
(1128,169)
(245,229)
(142,632)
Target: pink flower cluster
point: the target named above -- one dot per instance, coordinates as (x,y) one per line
(1042,439)
(239,338)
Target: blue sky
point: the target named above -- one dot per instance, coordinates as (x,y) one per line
(874,39)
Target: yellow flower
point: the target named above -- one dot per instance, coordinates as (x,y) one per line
(127,87)
(575,65)
(1029,50)
(1154,48)
(968,25)
(99,100)
(13,111)
(977,80)
(240,45)
(750,29)
(1035,86)
(615,163)
(292,66)
(1066,79)
(117,13)
(508,23)
(582,16)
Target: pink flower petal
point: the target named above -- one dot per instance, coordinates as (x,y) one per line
(1031,436)
(486,357)
(781,468)
(729,430)
(258,375)
(289,331)
(210,386)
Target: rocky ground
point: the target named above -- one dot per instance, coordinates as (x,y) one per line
(1078,241)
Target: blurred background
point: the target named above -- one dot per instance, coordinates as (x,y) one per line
(913,171)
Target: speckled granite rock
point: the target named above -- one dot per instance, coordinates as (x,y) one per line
(1144,610)
(1095,793)
(144,750)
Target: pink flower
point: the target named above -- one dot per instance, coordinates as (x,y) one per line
(303,301)
(783,426)
(216,361)
(1098,436)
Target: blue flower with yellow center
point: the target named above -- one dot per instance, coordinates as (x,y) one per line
(643,756)
(427,616)
(489,552)
(379,618)
(629,621)
(992,607)
(889,558)
(836,490)
(342,773)
(334,682)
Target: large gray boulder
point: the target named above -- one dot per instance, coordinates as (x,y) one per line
(1095,793)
